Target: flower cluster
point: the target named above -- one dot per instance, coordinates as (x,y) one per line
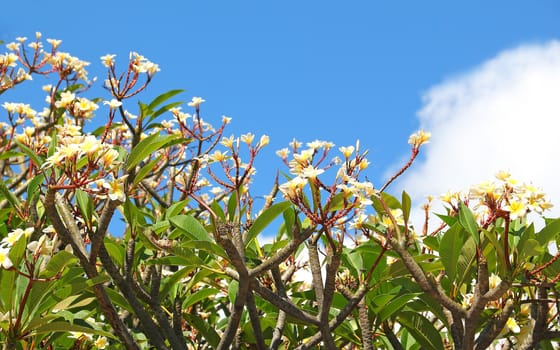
(505,196)
(309,163)
(87,163)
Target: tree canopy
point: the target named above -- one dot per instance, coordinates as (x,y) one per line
(328,261)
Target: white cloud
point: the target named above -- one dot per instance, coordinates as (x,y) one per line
(503,114)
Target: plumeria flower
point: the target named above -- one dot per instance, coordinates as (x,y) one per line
(113,104)
(55,43)
(43,246)
(248,138)
(347,151)
(108,60)
(116,188)
(219,156)
(100,342)
(293,187)
(494,280)
(15,235)
(283,153)
(311,172)
(5,261)
(419,138)
(226,120)
(66,98)
(516,209)
(512,325)
(196,102)
(263,141)
(228,141)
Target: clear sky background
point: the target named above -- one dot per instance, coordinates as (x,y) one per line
(482,76)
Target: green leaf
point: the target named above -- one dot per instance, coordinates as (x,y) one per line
(145,170)
(406,205)
(198,296)
(337,202)
(29,152)
(450,249)
(217,209)
(85,204)
(9,154)
(466,219)
(466,261)
(170,282)
(207,246)
(206,330)
(265,219)
(549,232)
(58,263)
(392,307)
(191,226)
(175,208)
(119,300)
(231,206)
(531,247)
(497,245)
(232,291)
(146,147)
(18,250)
(14,201)
(390,201)
(65,327)
(160,226)
(186,258)
(165,109)
(33,186)
(431,242)
(163,97)
(354,259)
(422,330)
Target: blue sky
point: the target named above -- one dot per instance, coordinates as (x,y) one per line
(337,71)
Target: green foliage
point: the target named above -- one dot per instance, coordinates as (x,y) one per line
(146,233)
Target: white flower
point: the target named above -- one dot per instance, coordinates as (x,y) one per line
(100,343)
(263,141)
(108,60)
(116,189)
(196,101)
(15,235)
(114,103)
(5,261)
(419,138)
(226,120)
(512,325)
(311,172)
(247,138)
(347,151)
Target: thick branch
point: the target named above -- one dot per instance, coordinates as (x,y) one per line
(105,303)
(432,289)
(243,284)
(281,255)
(255,321)
(102,227)
(494,327)
(283,304)
(317,278)
(281,320)
(335,322)
(149,327)
(363,318)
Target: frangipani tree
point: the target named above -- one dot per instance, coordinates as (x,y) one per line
(194,265)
